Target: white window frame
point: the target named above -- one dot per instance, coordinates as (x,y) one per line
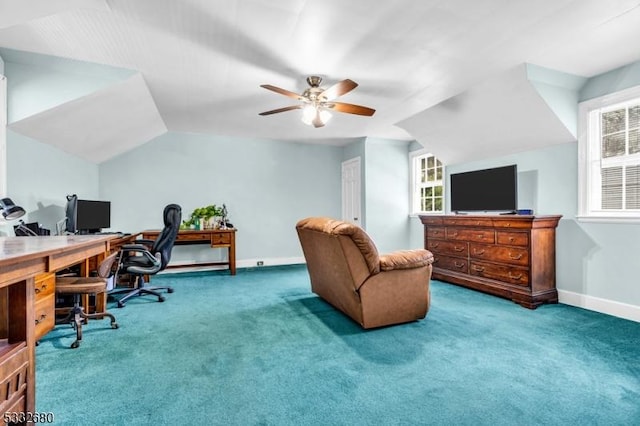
(589,157)
(416,185)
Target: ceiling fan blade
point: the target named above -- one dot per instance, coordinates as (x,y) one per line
(339,89)
(282,91)
(275,111)
(351,108)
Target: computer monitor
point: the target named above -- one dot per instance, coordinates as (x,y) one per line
(87,216)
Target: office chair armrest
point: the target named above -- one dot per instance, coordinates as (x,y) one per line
(136,248)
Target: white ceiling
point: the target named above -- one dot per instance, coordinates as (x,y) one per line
(203,61)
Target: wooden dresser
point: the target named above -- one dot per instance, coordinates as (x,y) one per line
(509,256)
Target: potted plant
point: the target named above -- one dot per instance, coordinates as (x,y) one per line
(201,217)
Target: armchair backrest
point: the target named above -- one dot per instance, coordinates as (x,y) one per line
(163,245)
(337,250)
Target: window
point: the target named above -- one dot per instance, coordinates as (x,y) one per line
(609,150)
(3,136)
(427,187)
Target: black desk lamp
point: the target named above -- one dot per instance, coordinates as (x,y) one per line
(10,211)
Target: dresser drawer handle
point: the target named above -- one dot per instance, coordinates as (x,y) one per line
(478,252)
(458,249)
(42,318)
(480,236)
(511,239)
(516,257)
(42,288)
(515,277)
(458,265)
(435,245)
(478,268)
(454,234)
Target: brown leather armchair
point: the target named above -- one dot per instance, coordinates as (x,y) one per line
(347,272)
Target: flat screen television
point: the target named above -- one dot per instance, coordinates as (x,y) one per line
(87,216)
(487,190)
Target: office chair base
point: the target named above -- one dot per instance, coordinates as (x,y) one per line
(77,317)
(142,291)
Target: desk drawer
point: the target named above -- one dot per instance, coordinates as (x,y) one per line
(45,284)
(196,236)
(45,315)
(222,238)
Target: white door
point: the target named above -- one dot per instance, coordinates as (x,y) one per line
(351,191)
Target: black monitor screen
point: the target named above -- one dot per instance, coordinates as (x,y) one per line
(485,190)
(92,216)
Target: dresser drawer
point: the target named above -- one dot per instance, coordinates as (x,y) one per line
(455,248)
(468,221)
(477,235)
(506,254)
(435,232)
(512,238)
(451,263)
(504,273)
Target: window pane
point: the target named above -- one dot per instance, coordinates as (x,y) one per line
(632,187)
(431,175)
(613,121)
(438,204)
(613,145)
(428,205)
(438,191)
(430,162)
(634,141)
(634,117)
(428,192)
(439,173)
(612,188)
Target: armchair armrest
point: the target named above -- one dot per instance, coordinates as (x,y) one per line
(405,259)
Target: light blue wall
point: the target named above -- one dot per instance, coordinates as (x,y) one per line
(560,92)
(387,194)
(266,185)
(37,82)
(612,81)
(40,176)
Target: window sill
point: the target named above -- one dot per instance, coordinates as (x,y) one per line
(609,219)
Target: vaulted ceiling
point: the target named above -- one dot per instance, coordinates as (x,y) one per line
(198,64)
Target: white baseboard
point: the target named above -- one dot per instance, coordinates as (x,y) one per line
(605,306)
(274,261)
(244,263)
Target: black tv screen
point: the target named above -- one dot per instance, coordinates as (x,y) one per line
(92,216)
(485,190)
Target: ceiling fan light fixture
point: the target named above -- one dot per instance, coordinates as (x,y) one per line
(312,115)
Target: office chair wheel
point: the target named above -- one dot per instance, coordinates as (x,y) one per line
(161,299)
(114,325)
(120,304)
(75,345)
(169,290)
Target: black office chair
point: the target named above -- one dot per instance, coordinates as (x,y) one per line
(148,257)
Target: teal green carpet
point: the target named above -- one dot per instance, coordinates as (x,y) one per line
(261,349)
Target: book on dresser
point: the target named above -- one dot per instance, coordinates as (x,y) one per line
(510,256)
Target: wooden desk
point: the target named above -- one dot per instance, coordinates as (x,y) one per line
(216,238)
(22,259)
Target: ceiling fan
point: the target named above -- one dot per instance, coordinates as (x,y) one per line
(316,102)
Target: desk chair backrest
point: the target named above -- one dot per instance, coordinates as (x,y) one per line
(164,243)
